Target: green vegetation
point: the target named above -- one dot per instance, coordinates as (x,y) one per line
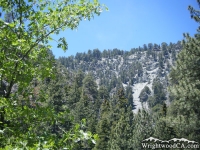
(185,86)
(86,101)
(29,118)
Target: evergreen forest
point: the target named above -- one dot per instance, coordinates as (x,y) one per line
(95,100)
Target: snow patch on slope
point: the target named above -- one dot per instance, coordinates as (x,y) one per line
(137,88)
(124,85)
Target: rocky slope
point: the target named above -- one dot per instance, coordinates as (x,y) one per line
(137,68)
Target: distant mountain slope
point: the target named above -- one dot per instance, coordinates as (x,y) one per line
(148,66)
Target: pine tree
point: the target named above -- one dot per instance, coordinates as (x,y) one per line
(158,93)
(143,128)
(103,93)
(145,47)
(75,90)
(57,89)
(86,108)
(129,95)
(144,94)
(163,129)
(121,132)
(164,48)
(185,86)
(103,127)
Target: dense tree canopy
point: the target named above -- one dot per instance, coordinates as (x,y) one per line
(185,85)
(61,104)
(26,29)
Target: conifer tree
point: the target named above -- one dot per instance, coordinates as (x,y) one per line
(164,48)
(85,108)
(103,93)
(142,128)
(159,93)
(57,89)
(129,96)
(75,90)
(58,95)
(121,132)
(163,129)
(103,127)
(185,85)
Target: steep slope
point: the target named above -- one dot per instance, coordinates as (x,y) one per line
(137,88)
(137,68)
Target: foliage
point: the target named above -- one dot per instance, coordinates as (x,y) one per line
(45,106)
(185,86)
(143,128)
(159,93)
(121,118)
(163,127)
(103,127)
(145,94)
(26,29)
(129,96)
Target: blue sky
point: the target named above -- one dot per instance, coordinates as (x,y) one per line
(130,24)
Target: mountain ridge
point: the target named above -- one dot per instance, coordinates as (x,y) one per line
(137,68)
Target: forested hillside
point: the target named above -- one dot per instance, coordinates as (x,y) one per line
(141,72)
(105,88)
(97,100)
